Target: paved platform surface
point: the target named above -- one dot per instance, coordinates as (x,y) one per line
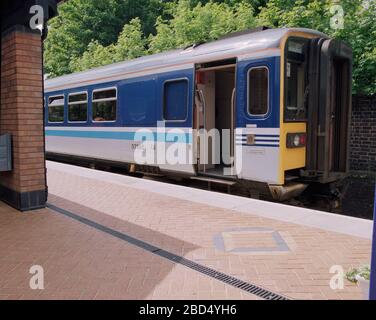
(283,249)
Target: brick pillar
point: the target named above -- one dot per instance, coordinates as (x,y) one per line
(21,115)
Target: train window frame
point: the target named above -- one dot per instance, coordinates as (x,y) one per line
(285,77)
(101,100)
(79,102)
(267,91)
(60,105)
(185,79)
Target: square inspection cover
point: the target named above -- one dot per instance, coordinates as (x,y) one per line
(251,240)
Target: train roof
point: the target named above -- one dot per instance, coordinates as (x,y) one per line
(228,47)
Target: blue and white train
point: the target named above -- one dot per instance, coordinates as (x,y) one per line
(284,95)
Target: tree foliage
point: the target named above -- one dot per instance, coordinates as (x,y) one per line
(200,24)
(129,45)
(83,22)
(187,26)
(90,33)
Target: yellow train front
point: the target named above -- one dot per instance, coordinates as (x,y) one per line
(266,108)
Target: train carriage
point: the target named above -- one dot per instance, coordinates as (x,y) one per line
(282,96)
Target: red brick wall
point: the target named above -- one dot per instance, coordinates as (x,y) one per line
(363,134)
(21,112)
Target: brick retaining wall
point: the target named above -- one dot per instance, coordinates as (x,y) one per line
(363,134)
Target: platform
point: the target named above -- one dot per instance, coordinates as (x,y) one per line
(109,236)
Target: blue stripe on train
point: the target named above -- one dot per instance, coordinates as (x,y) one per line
(266,140)
(244,135)
(258,145)
(115,135)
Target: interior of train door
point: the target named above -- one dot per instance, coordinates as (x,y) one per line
(214,117)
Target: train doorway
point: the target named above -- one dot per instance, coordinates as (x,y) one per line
(215,117)
(329,108)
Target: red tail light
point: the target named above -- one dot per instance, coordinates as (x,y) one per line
(303,140)
(296,140)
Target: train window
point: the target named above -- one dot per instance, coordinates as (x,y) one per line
(175,100)
(296,90)
(56,109)
(104,105)
(77,107)
(258,87)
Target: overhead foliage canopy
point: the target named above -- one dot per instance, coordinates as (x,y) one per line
(81,23)
(200,24)
(90,33)
(130,44)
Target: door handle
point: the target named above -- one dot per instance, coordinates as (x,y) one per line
(203,105)
(232,107)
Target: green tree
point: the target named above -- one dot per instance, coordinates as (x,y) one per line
(96,55)
(256,4)
(131,42)
(360,32)
(200,24)
(81,22)
(129,45)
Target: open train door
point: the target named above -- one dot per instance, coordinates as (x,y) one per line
(215,118)
(329,110)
